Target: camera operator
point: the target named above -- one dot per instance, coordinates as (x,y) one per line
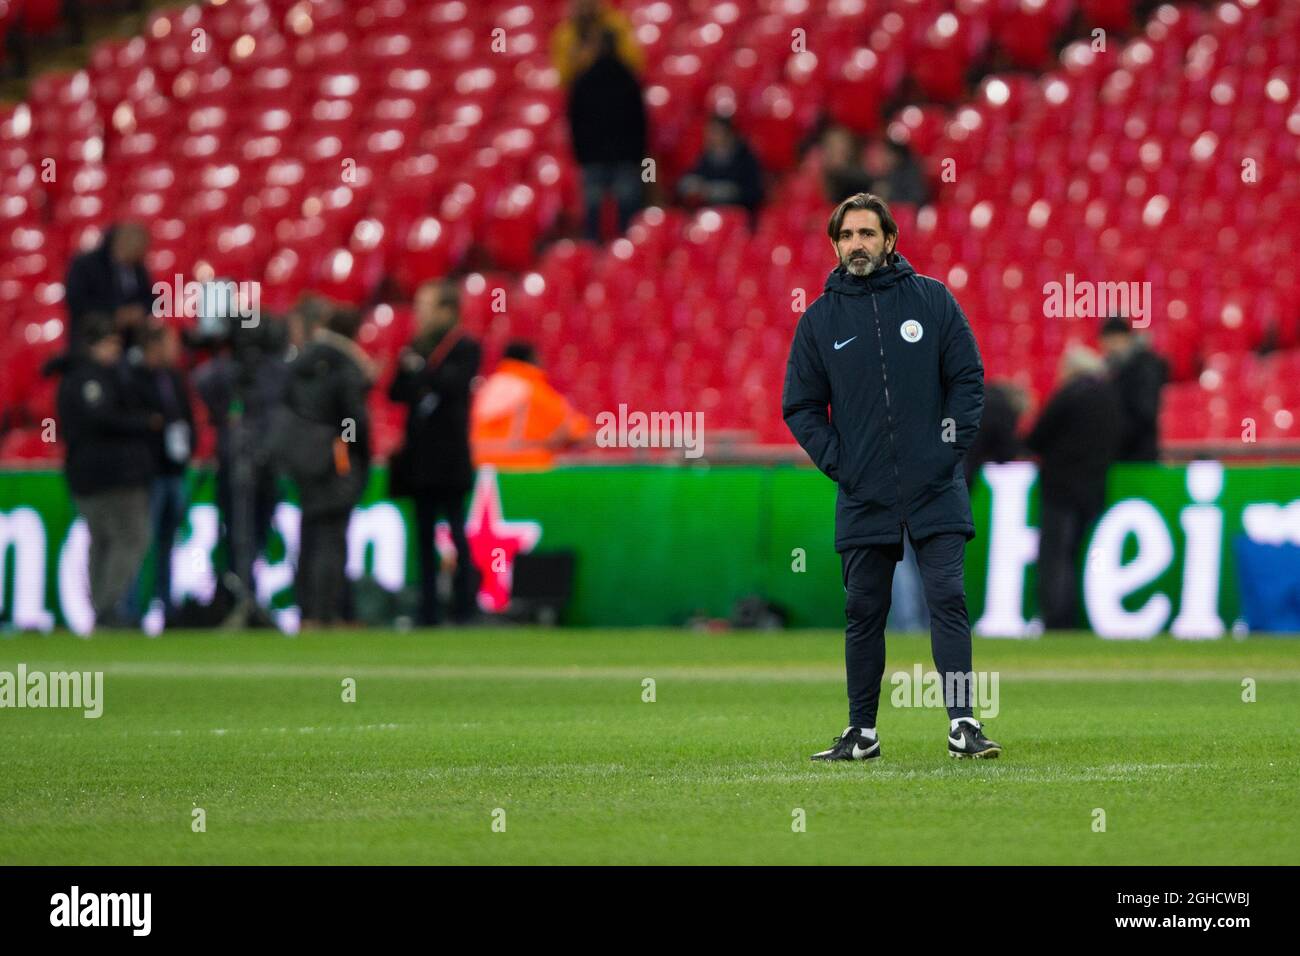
(241,386)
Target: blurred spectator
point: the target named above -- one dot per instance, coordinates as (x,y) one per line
(998,439)
(895,174)
(109,435)
(326,448)
(1139,375)
(607,126)
(1076,441)
(727,172)
(574,41)
(518,419)
(842,172)
(311,312)
(111,278)
(165,391)
(433,379)
(241,387)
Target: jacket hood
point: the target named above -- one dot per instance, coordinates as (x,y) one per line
(841,281)
(324,338)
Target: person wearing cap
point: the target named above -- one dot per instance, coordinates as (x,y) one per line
(109,434)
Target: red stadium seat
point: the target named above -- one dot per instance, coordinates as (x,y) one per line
(1116,165)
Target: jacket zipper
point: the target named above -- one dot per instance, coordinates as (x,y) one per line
(889,412)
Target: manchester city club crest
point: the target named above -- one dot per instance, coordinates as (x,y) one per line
(911,330)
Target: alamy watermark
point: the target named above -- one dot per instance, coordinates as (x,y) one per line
(1082,299)
(75,908)
(77,690)
(192,299)
(683,430)
(974,689)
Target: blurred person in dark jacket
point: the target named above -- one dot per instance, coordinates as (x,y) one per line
(998,439)
(241,386)
(895,174)
(164,389)
(842,172)
(727,172)
(607,126)
(323,442)
(1076,440)
(111,278)
(433,380)
(1139,375)
(110,435)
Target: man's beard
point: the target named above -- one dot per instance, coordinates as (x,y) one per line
(864,263)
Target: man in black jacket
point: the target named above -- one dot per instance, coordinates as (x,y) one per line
(433,379)
(1076,438)
(1139,375)
(998,439)
(327,448)
(109,434)
(892,355)
(111,278)
(607,128)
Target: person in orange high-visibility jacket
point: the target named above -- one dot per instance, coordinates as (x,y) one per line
(518,419)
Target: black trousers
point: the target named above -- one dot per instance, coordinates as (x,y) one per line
(266,496)
(320,581)
(429,507)
(868,579)
(1062,527)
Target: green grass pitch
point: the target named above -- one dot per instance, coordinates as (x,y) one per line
(551,728)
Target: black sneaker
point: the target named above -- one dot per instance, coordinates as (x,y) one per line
(968,740)
(851,745)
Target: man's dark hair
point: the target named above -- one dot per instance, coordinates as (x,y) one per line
(1116,325)
(344,321)
(97,326)
(864,201)
(724,121)
(520,351)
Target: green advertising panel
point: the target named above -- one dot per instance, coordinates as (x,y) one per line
(657,545)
